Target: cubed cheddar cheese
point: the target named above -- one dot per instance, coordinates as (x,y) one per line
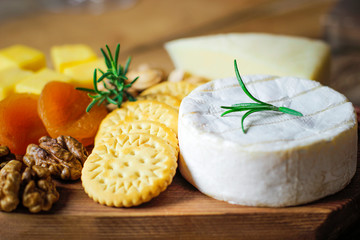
(66,56)
(5,63)
(9,77)
(82,74)
(24,57)
(36,82)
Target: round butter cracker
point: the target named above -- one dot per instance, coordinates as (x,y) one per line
(141,110)
(148,127)
(176,89)
(128,170)
(164,98)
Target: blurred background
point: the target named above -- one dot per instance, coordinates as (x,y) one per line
(143,26)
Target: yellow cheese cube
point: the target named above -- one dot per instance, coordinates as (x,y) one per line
(82,74)
(70,55)
(24,57)
(9,77)
(6,63)
(36,82)
(213,56)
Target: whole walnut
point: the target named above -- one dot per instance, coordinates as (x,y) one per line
(10,179)
(63,156)
(39,191)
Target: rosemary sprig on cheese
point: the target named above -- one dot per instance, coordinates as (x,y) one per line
(115,86)
(251,108)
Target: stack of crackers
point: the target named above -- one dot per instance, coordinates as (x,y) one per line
(136,148)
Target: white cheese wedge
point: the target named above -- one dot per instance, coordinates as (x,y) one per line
(212,56)
(282,160)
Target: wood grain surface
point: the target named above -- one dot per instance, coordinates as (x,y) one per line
(181,212)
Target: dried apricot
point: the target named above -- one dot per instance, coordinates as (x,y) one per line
(20,123)
(62,109)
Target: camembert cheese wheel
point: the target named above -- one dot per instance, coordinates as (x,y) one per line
(282,160)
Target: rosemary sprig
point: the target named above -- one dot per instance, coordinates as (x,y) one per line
(115,86)
(251,108)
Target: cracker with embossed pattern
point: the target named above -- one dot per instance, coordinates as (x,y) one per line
(164,98)
(176,89)
(148,127)
(128,170)
(141,110)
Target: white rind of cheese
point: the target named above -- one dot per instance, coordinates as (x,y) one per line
(257,53)
(282,160)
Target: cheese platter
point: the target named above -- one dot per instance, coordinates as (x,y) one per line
(306,186)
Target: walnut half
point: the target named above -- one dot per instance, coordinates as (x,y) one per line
(10,179)
(39,191)
(63,156)
(5,156)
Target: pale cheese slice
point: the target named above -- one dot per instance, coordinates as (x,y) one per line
(256,53)
(282,160)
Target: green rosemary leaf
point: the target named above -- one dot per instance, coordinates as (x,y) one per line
(103,76)
(101,101)
(117,51)
(85,89)
(93,96)
(243,85)
(107,60)
(101,71)
(109,52)
(130,97)
(114,88)
(93,102)
(121,85)
(94,81)
(110,100)
(246,105)
(106,86)
(253,107)
(120,71)
(133,81)
(290,111)
(241,109)
(228,111)
(127,64)
(246,115)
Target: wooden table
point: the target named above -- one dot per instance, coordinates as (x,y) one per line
(182,212)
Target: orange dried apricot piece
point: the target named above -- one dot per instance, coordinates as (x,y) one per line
(62,109)
(20,123)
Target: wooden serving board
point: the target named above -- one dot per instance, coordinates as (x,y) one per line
(182,212)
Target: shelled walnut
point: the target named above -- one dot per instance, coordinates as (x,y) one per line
(10,179)
(63,156)
(39,191)
(5,156)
